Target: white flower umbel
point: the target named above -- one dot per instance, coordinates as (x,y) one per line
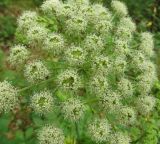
(120,138)
(51,7)
(69,79)
(101,63)
(119,8)
(138,59)
(42,102)
(110,102)
(54,43)
(147,44)
(50,135)
(145,104)
(125,87)
(89,13)
(147,67)
(127,116)
(68,10)
(128,23)
(99,130)
(36,34)
(120,64)
(103,27)
(75,55)
(36,71)
(76,25)
(145,83)
(98,84)
(73,109)
(8,97)
(18,55)
(93,43)
(123,33)
(121,47)
(100,13)
(27,19)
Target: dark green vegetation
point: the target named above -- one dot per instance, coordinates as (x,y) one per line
(17,128)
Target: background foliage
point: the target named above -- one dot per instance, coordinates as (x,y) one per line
(17,128)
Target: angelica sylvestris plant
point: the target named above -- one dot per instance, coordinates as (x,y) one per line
(88,72)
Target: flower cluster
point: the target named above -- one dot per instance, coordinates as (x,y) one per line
(99,129)
(119,8)
(92,65)
(110,102)
(147,44)
(54,43)
(120,138)
(69,79)
(75,56)
(27,19)
(145,104)
(50,135)
(18,55)
(42,102)
(73,109)
(36,71)
(8,96)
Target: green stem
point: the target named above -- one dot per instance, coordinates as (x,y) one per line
(113,17)
(77,131)
(24,135)
(91,101)
(135,46)
(42,82)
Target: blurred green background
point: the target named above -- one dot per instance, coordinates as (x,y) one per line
(146,13)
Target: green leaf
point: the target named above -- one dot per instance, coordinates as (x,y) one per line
(29,132)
